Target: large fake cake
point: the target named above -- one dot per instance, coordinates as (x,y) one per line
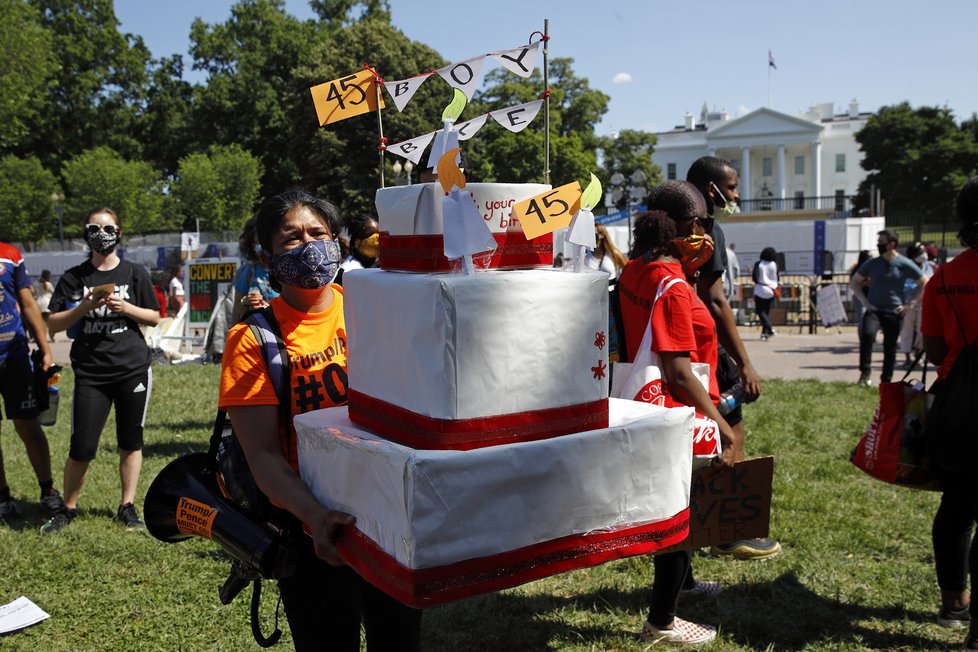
(480,449)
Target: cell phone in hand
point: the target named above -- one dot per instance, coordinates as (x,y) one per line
(99,292)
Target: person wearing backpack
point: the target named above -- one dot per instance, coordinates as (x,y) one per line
(950,336)
(325,600)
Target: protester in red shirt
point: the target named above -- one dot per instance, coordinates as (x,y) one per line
(948,323)
(670,242)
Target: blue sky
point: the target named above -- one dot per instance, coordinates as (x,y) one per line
(658,60)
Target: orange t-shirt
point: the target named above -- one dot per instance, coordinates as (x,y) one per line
(316,345)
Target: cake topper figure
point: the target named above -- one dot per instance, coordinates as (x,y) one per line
(582,228)
(466,233)
(447,138)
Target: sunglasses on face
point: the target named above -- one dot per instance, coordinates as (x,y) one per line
(111,229)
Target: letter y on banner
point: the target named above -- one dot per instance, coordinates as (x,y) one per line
(521,60)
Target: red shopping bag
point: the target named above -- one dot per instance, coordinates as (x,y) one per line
(893,448)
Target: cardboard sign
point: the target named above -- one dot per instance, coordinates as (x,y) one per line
(207,280)
(195,518)
(549,211)
(346,97)
(727,504)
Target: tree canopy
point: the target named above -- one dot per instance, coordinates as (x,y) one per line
(27,66)
(918,159)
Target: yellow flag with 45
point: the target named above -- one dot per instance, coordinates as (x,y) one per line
(346,97)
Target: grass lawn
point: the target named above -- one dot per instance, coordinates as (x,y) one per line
(856,571)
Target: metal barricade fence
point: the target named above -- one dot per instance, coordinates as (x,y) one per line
(797,306)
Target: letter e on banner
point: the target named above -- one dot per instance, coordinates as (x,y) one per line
(345,97)
(548,211)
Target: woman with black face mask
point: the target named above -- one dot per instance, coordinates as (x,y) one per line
(102,303)
(325,600)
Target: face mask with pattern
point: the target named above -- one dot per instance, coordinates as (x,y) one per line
(310,266)
(101,242)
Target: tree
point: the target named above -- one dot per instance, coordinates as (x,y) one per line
(630,150)
(101,177)
(100,82)
(340,160)
(26,209)
(917,158)
(27,65)
(335,14)
(249,61)
(219,189)
(575,108)
(164,126)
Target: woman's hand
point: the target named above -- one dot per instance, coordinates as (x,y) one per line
(254,300)
(117,304)
(324,528)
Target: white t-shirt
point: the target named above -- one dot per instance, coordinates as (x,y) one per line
(767,279)
(176,287)
(604,264)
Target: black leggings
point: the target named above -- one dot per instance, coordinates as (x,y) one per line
(90,407)
(763,309)
(325,605)
(673,572)
(952,534)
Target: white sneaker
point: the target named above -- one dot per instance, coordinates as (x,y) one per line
(683,632)
(703,588)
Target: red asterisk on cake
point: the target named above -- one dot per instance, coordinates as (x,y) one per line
(599,370)
(599,339)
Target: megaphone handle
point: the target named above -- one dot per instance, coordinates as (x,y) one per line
(256,626)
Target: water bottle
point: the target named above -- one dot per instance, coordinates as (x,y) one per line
(730,399)
(50,416)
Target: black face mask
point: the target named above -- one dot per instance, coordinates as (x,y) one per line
(882,248)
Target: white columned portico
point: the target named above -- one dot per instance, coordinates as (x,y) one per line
(745,173)
(817,169)
(780,181)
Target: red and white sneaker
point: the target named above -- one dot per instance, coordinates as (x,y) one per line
(682,632)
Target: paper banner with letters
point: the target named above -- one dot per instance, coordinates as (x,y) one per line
(411,149)
(549,211)
(521,60)
(469,128)
(403,90)
(516,118)
(464,75)
(346,97)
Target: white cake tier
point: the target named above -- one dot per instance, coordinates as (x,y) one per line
(412,226)
(438,525)
(454,361)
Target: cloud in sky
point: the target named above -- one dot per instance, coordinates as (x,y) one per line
(622,78)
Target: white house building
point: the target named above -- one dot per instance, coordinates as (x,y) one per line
(786,163)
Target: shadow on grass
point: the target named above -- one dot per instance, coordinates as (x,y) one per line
(174,449)
(781,614)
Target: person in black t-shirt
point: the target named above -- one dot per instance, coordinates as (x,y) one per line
(102,303)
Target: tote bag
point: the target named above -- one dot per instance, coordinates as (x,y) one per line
(893,448)
(642,380)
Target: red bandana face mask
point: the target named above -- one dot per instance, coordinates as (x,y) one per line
(694,251)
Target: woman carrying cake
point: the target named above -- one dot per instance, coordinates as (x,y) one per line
(669,243)
(325,601)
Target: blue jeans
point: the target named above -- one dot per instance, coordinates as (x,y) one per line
(873,321)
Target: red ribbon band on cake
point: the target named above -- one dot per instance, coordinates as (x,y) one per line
(426,253)
(430,586)
(427,433)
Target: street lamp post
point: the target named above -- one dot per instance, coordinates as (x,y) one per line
(59,208)
(628,196)
(408,167)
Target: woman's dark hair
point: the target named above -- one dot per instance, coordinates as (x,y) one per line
(652,231)
(356,226)
(247,241)
(273,211)
(768,254)
(967,208)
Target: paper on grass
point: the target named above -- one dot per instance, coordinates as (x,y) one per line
(19,614)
